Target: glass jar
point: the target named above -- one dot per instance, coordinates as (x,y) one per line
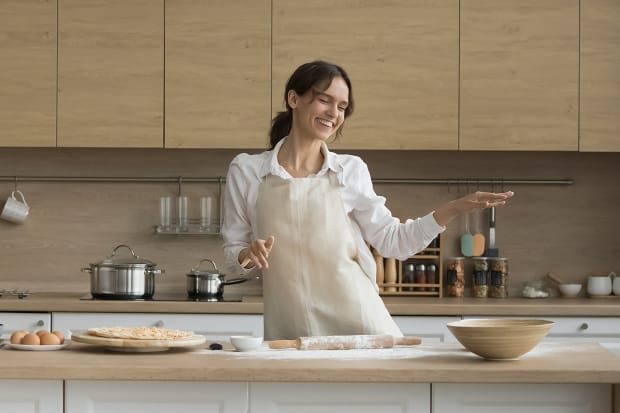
(480,287)
(431,276)
(455,277)
(420,276)
(408,275)
(499,277)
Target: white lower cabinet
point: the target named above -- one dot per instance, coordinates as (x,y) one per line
(430,329)
(25,321)
(519,398)
(339,398)
(213,326)
(91,396)
(31,396)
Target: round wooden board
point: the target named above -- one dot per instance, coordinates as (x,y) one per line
(132,345)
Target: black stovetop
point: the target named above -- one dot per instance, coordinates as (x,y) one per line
(167,296)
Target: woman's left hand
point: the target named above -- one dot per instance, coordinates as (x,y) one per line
(472,202)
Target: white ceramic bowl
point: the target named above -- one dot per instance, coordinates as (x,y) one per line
(500,339)
(246,343)
(569,290)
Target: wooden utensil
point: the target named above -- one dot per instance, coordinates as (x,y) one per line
(345,342)
(553,276)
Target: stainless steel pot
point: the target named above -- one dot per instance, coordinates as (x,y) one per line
(122,277)
(202,283)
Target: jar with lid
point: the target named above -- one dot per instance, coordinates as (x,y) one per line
(480,287)
(408,275)
(420,276)
(431,276)
(455,277)
(499,277)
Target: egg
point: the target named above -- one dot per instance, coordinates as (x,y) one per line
(49,339)
(42,332)
(59,335)
(17,336)
(31,339)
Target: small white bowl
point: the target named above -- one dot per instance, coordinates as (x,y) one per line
(246,343)
(569,290)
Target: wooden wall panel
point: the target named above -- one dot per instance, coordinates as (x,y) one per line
(27,73)
(401,56)
(110,73)
(519,75)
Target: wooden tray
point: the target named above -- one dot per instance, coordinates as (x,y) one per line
(135,346)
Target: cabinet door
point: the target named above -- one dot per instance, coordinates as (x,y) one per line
(519,75)
(31,396)
(339,397)
(25,321)
(401,56)
(213,326)
(600,76)
(430,329)
(517,398)
(110,73)
(217,73)
(87,396)
(28,73)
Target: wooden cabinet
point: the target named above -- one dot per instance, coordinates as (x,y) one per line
(518,397)
(401,56)
(213,326)
(25,321)
(217,73)
(600,76)
(110,73)
(91,396)
(430,329)
(31,396)
(28,73)
(339,397)
(519,76)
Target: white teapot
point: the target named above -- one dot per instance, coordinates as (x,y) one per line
(600,285)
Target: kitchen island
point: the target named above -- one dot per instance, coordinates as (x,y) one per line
(427,374)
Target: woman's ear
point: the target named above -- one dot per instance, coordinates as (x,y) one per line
(292,99)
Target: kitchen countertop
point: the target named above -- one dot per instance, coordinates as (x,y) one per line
(412,306)
(427,363)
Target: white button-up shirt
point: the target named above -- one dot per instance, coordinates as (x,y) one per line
(371,220)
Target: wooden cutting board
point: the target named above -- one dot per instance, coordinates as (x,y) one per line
(133,345)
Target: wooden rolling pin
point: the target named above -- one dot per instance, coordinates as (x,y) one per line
(344,342)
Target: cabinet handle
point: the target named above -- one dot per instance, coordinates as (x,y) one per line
(584,326)
(159,323)
(40,323)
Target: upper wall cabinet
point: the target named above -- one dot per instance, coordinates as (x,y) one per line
(217,73)
(519,75)
(600,76)
(401,56)
(27,73)
(110,73)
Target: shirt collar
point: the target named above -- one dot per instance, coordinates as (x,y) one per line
(331,163)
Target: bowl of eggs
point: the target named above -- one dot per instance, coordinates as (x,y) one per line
(39,340)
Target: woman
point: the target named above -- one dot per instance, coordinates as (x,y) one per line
(302,214)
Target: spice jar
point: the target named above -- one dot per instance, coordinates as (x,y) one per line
(420,276)
(431,276)
(408,275)
(455,277)
(499,277)
(479,287)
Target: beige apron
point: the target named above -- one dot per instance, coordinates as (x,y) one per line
(314,285)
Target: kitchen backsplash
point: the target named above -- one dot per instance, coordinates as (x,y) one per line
(572,230)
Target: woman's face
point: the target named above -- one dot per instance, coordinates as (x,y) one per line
(319,113)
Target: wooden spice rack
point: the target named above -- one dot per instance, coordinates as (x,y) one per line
(427,256)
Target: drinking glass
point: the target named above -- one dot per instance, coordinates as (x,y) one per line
(182,203)
(206,213)
(165,212)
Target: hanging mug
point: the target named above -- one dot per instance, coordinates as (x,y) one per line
(15,210)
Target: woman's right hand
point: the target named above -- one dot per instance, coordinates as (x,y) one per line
(257,253)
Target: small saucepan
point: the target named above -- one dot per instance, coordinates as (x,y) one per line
(208,283)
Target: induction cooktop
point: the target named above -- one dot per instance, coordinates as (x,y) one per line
(168,296)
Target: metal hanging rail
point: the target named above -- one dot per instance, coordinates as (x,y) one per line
(220,180)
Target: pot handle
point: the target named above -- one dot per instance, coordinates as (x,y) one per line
(126,246)
(154,271)
(87,269)
(207,259)
(235,281)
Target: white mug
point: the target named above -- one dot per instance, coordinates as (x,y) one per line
(599,285)
(14,210)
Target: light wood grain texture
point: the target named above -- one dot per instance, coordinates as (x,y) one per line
(600,76)
(110,73)
(129,345)
(217,73)
(401,56)
(344,342)
(28,73)
(519,75)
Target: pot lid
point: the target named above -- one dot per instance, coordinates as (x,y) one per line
(197,271)
(113,260)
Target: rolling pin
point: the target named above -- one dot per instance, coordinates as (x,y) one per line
(344,342)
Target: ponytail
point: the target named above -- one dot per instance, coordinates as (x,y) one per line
(280,127)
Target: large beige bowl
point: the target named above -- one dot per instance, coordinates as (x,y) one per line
(500,339)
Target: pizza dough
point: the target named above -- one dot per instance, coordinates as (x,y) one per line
(140,333)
